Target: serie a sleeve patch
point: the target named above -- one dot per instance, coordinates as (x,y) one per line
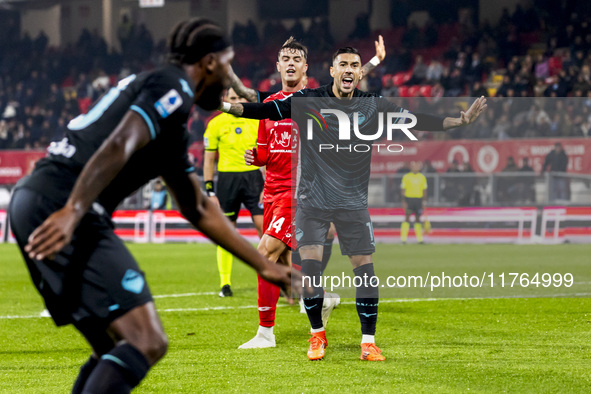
(168,103)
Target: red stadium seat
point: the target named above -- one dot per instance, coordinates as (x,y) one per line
(555,65)
(407,76)
(264,85)
(403,91)
(246,82)
(414,90)
(425,91)
(312,83)
(398,79)
(84,104)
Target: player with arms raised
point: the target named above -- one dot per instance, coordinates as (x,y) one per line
(339,193)
(277,144)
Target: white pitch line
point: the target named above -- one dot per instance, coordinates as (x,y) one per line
(185,294)
(382,301)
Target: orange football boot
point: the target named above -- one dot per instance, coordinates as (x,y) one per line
(370,352)
(317,345)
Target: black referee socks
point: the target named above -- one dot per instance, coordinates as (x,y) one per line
(367,297)
(118,371)
(312,276)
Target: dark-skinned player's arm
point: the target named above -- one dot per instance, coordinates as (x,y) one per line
(241,90)
(56,231)
(377,59)
(273,110)
(209,219)
(252,95)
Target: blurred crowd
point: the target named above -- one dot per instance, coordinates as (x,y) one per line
(540,51)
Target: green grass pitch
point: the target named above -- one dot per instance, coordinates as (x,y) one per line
(441,345)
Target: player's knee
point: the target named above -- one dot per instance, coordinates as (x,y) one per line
(155,346)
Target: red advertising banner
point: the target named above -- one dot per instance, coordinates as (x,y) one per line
(16,164)
(484,156)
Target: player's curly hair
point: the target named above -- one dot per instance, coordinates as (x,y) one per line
(294,45)
(192,39)
(346,50)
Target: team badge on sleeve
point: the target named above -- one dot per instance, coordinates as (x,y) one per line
(168,103)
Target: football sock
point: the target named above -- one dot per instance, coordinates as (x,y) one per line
(118,371)
(83,375)
(314,330)
(296,260)
(404,231)
(368,339)
(326,252)
(313,302)
(367,297)
(419,232)
(224,266)
(268,297)
(266,331)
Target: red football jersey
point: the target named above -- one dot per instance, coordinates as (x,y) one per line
(277,148)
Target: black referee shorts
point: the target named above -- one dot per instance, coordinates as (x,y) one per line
(354,229)
(93,280)
(236,188)
(414,205)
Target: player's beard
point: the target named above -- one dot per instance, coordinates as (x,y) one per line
(211,97)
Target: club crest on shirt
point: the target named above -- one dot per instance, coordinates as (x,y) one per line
(168,103)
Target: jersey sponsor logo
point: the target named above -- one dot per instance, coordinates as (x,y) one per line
(168,103)
(238,130)
(282,139)
(133,281)
(62,148)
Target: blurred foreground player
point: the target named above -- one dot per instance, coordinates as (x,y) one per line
(339,193)
(60,214)
(276,146)
(414,200)
(229,136)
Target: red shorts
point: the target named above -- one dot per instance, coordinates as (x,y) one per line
(277,219)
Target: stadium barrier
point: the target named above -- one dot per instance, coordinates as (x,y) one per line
(517,225)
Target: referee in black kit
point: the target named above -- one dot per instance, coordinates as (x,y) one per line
(60,214)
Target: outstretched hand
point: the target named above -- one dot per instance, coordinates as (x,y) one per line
(470,116)
(52,235)
(287,278)
(380,48)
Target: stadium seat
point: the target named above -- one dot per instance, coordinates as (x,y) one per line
(84,104)
(264,85)
(246,82)
(425,91)
(414,90)
(403,91)
(398,78)
(555,65)
(313,83)
(407,76)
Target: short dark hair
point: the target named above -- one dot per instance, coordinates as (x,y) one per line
(293,45)
(346,50)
